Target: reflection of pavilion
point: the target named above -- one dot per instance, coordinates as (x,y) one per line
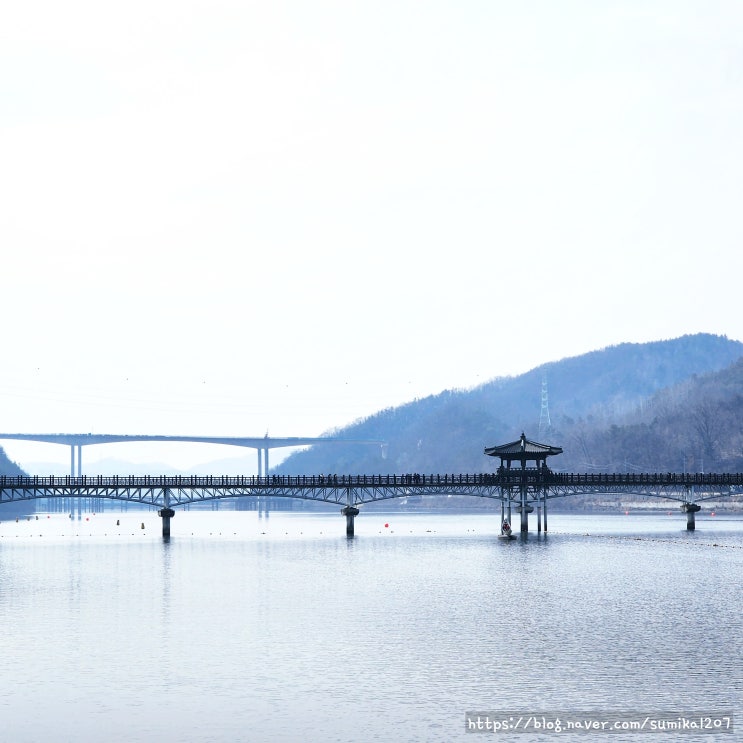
(526,480)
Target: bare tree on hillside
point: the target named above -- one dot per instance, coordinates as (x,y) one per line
(705,419)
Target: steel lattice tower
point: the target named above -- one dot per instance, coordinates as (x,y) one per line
(545,424)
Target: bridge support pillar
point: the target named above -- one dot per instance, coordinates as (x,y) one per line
(691,509)
(350,512)
(166,514)
(525,511)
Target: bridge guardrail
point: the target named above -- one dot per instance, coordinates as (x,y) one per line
(180,481)
(507,479)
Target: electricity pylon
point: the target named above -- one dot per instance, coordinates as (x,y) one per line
(545,424)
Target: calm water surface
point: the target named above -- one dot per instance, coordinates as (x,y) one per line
(247,628)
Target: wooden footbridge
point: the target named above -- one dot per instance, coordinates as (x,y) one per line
(528,484)
(521,488)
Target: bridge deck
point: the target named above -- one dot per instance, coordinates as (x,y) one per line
(169,490)
(507,478)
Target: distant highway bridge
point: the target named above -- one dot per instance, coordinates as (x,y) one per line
(514,488)
(76,441)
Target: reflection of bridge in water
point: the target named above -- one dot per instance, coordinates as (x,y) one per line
(520,487)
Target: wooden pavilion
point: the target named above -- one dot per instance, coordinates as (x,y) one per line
(526,479)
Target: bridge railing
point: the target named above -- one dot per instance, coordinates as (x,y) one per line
(648,478)
(532,478)
(247,481)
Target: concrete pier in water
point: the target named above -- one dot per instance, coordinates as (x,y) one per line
(166,514)
(691,509)
(350,512)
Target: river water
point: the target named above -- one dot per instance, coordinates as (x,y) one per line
(244,627)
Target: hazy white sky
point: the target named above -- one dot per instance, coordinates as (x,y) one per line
(227,218)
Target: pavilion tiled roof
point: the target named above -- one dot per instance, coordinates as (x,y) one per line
(523,449)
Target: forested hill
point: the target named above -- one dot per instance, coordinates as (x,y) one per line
(12,510)
(694,426)
(660,406)
(7,467)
